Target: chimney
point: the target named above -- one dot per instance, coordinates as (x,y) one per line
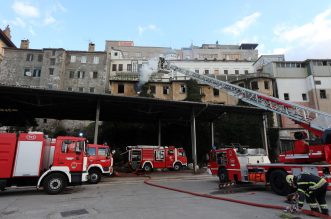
(91,47)
(25,44)
(7,32)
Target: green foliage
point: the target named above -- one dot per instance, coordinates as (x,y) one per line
(193,91)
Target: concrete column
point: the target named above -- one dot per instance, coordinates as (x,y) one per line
(212,134)
(96,128)
(194,142)
(264,133)
(159,133)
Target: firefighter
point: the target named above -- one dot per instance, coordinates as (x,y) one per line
(311,187)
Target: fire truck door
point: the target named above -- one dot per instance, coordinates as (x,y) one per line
(170,158)
(159,157)
(71,157)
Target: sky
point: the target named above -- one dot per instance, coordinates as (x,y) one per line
(299,29)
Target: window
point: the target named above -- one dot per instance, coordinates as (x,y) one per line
(140,66)
(115,53)
(129,67)
(51,71)
(95,74)
(286,96)
(120,89)
(29,57)
(36,72)
(114,67)
(91,89)
(318,82)
(102,151)
(27,72)
(226,72)
(322,94)
(254,85)
(216,71)
(40,57)
(196,71)
(81,89)
(216,92)
(120,67)
(170,152)
(71,74)
(96,60)
(52,61)
(45,120)
(83,59)
(70,89)
(266,85)
(72,59)
(152,88)
(236,72)
(159,155)
(165,89)
(304,96)
(183,88)
(206,71)
(81,74)
(246,72)
(241,85)
(53,52)
(92,151)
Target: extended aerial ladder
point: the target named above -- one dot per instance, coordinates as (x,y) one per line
(311,119)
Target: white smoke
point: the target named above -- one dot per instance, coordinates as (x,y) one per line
(147,70)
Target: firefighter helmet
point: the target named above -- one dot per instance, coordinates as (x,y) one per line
(289,179)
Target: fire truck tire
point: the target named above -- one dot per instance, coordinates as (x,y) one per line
(147,167)
(95,176)
(278,182)
(223,175)
(177,166)
(54,183)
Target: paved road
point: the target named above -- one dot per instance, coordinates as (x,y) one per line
(129,197)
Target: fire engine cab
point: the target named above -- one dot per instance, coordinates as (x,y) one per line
(29,160)
(100,162)
(149,157)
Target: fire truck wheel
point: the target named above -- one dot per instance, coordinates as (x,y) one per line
(223,175)
(95,176)
(54,183)
(147,167)
(278,182)
(177,166)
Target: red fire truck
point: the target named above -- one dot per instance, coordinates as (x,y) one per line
(100,162)
(148,157)
(252,165)
(29,160)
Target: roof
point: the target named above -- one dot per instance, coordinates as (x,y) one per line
(248,46)
(6,40)
(19,104)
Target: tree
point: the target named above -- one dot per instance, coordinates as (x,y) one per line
(193,91)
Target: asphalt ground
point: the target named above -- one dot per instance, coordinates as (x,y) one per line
(127,196)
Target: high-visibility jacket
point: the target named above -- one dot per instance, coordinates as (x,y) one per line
(306,184)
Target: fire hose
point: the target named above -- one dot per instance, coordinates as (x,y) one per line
(304,211)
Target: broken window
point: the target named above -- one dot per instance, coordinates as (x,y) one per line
(120,89)
(183,88)
(266,85)
(286,96)
(304,96)
(165,89)
(51,71)
(216,92)
(29,57)
(254,85)
(323,94)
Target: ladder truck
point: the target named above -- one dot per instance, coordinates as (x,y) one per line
(237,164)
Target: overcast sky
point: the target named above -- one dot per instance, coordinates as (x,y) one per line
(300,29)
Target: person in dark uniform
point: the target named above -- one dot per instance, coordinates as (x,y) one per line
(312,188)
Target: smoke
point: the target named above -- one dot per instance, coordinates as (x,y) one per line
(147,70)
